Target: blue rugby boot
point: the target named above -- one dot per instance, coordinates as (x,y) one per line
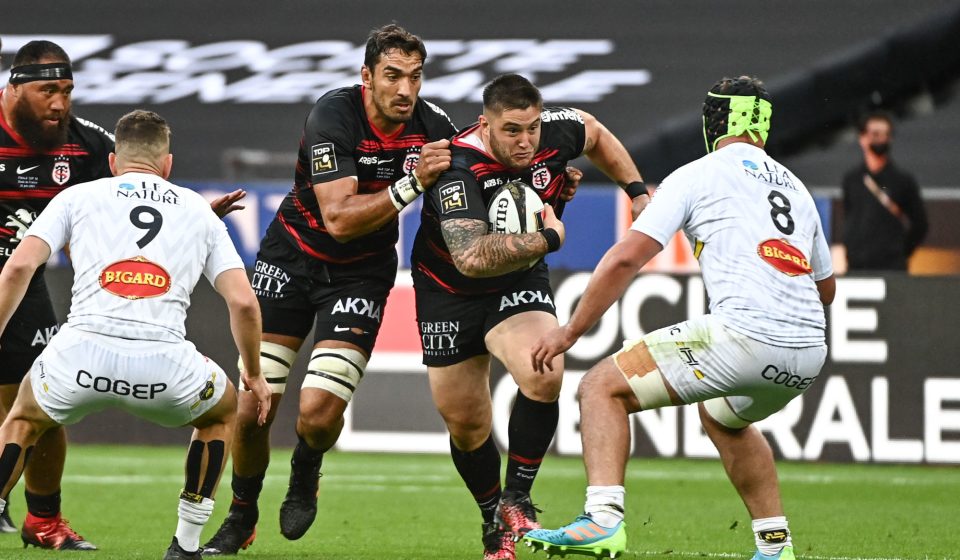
(583,537)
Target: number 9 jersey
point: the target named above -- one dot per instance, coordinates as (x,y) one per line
(756,233)
(138,245)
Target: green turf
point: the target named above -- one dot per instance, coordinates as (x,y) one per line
(381,506)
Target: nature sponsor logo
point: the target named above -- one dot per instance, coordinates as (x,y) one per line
(135,278)
(784,257)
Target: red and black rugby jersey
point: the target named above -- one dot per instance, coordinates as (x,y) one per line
(339,141)
(29,178)
(472,179)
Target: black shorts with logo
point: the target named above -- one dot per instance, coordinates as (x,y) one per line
(453,327)
(343,302)
(31,327)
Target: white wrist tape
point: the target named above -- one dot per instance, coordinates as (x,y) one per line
(405,191)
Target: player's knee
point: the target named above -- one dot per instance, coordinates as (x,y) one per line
(543,387)
(320,415)
(467,424)
(275,363)
(335,370)
(591,387)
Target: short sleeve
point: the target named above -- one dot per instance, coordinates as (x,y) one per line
(457,195)
(328,139)
(821,260)
(667,212)
(54,224)
(223,254)
(565,129)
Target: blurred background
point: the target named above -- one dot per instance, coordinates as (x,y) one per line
(236,80)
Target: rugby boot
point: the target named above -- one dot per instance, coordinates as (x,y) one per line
(516,513)
(53,533)
(177,553)
(235,534)
(786,553)
(6,523)
(497,543)
(583,537)
(299,507)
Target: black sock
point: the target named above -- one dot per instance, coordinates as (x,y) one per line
(304,455)
(531,429)
(43,506)
(246,492)
(480,469)
(9,458)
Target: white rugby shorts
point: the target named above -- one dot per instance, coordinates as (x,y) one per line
(167,383)
(702,359)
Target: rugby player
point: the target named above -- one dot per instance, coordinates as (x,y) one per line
(44,149)
(139,245)
(328,261)
(757,235)
(477,295)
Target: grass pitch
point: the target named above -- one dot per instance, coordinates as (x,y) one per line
(385,506)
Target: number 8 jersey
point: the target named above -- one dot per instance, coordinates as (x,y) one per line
(757,235)
(138,245)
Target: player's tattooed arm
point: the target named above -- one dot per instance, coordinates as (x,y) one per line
(477,254)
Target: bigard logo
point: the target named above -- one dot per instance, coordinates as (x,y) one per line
(135,278)
(784,257)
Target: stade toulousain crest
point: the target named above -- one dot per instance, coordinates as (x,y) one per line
(540,179)
(410,162)
(61,170)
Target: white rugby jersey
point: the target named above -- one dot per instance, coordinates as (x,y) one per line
(757,235)
(138,244)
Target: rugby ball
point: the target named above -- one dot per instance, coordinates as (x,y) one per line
(515,208)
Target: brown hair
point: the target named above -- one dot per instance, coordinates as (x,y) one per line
(142,135)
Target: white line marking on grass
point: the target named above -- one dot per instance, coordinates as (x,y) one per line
(355,484)
(680,554)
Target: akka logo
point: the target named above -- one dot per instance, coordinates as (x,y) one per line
(61,170)
(358,306)
(410,162)
(784,257)
(541,178)
(135,278)
(525,297)
(243,69)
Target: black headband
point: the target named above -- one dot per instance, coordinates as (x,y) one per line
(37,72)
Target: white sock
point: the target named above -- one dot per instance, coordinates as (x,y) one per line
(605,504)
(3,506)
(191,517)
(775,534)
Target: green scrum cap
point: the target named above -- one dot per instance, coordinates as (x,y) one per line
(734,107)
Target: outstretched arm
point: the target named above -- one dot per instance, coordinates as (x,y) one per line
(245,325)
(16,274)
(617,268)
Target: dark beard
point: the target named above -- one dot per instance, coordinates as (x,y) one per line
(30,127)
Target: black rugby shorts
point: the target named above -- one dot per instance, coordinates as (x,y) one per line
(28,332)
(343,302)
(453,327)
